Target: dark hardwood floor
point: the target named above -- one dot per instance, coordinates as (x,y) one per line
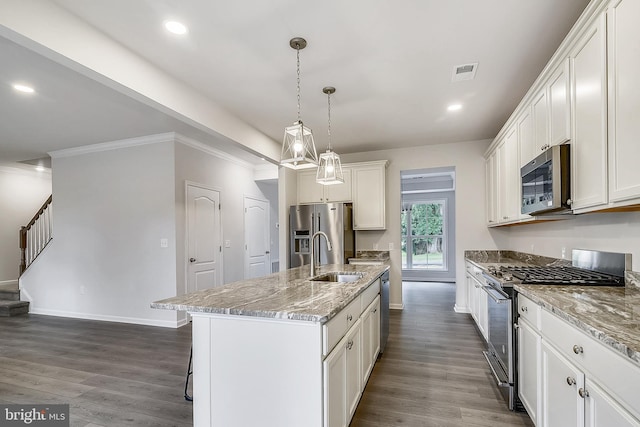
(111,374)
(432,372)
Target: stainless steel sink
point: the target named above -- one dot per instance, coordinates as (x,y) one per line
(338,277)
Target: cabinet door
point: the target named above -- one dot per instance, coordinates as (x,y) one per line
(529,349)
(589,108)
(602,411)
(353,363)
(511,176)
(370,338)
(369,197)
(335,391)
(525,137)
(491,171)
(561,380)
(483,311)
(339,192)
(375,331)
(559,101)
(540,113)
(309,191)
(624,99)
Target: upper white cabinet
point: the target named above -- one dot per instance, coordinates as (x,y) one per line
(589,119)
(559,105)
(369,195)
(508,178)
(309,191)
(525,137)
(624,101)
(364,185)
(491,176)
(540,112)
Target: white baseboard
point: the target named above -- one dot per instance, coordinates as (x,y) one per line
(396,306)
(459,309)
(105,318)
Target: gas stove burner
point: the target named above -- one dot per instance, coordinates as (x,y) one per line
(564,276)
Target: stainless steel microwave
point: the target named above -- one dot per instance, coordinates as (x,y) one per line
(546,182)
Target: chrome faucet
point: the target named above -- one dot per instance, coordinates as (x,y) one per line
(313,252)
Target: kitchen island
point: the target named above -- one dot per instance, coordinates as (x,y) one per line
(275,351)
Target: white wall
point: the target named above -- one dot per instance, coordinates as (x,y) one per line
(234,180)
(471,230)
(22,192)
(111,208)
(612,232)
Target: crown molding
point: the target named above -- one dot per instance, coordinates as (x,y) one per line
(189,142)
(113,145)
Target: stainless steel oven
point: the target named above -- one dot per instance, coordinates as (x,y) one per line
(499,354)
(546,182)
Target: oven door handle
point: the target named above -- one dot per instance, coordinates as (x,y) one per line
(496,295)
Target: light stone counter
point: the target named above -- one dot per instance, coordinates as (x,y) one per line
(609,314)
(285,295)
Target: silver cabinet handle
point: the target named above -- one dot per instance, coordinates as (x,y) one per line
(571,381)
(349,344)
(583,393)
(192,260)
(577,349)
(524,309)
(349,318)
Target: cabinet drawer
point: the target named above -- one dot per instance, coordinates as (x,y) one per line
(369,294)
(529,310)
(334,329)
(616,375)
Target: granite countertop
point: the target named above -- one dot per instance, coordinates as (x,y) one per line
(498,258)
(285,295)
(609,314)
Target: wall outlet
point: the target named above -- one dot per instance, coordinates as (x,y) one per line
(390,246)
(164,243)
(533,247)
(564,252)
(227,243)
(375,246)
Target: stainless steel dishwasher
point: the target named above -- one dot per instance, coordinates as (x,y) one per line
(384,298)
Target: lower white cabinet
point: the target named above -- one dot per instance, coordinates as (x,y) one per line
(348,366)
(569,379)
(477,300)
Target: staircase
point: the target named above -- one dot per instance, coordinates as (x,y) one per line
(10,304)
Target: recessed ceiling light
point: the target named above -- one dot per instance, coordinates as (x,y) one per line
(176,27)
(454,107)
(23,88)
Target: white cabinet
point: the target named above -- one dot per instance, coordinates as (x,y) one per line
(540,113)
(349,364)
(561,380)
(491,184)
(559,105)
(370,338)
(567,378)
(589,115)
(525,137)
(624,101)
(369,195)
(529,348)
(309,191)
(508,178)
(477,300)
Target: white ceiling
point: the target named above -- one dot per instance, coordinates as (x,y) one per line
(391,62)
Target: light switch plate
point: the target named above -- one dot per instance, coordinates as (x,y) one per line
(164,243)
(227,243)
(390,246)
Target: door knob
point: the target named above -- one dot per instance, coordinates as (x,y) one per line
(192,260)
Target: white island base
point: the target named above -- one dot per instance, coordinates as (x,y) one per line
(256,372)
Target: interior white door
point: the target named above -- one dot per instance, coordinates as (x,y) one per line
(257,260)
(204,254)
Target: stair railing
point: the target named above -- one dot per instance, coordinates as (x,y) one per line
(35,236)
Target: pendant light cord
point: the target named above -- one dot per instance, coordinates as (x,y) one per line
(298,71)
(329,120)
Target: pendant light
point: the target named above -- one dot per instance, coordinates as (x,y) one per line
(298,148)
(330,168)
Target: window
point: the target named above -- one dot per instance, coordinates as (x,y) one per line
(423,235)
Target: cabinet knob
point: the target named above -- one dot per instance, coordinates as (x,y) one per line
(524,309)
(569,202)
(571,381)
(375,310)
(583,393)
(192,260)
(349,344)
(578,349)
(349,317)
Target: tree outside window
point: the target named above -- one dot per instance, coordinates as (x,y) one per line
(422,243)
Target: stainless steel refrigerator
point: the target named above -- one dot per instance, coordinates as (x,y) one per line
(335,219)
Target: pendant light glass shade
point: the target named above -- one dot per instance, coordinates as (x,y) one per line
(298,148)
(330,167)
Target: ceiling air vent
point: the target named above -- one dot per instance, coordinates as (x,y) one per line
(464,72)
